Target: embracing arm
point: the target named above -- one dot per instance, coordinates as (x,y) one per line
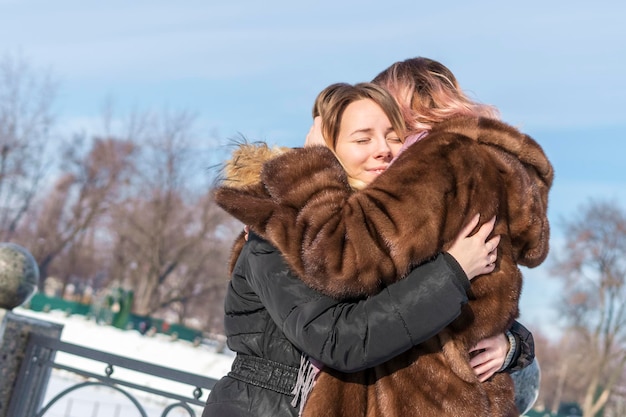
(354,335)
(505,352)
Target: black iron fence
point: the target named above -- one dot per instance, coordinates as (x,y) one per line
(179,391)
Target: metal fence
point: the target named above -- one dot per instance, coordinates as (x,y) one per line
(178,391)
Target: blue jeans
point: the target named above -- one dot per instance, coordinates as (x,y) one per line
(526,386)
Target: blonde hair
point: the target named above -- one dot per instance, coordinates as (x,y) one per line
(428,93)
(332,102)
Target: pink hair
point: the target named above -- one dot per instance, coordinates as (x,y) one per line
(428,93)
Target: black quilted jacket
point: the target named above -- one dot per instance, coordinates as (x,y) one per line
(271,314)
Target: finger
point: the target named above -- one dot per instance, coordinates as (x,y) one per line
(480,359)
(476,362)
(485,230)
(314,137)
(494,242)
(482,368)
(467,229)
(486,375)
(485,370)
(492,369)
(490,224)
(482,344)
(308,141)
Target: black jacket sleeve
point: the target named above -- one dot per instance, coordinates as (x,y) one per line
(351,336)
(524,347)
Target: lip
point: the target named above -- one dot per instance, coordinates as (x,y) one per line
(378,170)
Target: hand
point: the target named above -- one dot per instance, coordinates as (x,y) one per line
(489,355)
(475,254)
(315,137)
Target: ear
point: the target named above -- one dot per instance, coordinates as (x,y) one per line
(251,204)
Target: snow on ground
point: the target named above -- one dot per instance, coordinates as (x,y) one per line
(158,349)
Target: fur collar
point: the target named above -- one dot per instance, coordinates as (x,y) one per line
(246,162)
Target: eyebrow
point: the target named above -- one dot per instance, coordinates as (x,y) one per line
(368,130)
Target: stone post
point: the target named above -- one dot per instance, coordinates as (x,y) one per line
(14,333)
(19,276)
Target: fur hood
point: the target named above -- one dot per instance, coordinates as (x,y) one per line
(246,162)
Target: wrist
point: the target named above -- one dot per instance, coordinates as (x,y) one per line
(511,353)
(459,274)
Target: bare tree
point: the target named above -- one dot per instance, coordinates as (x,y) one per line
(593,270)
(547,353)
(616,406)
(168,230)
(26,98)
(563,371)
(81,195)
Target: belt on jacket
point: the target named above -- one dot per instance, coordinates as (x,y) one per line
(264,373)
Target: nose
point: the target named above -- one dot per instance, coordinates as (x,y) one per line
(383,150)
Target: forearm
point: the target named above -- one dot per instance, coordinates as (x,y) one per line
(351,336)
(401,316)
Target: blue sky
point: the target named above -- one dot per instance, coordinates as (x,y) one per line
(555,69)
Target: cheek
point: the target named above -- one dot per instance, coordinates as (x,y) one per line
(352,158)
(395,148)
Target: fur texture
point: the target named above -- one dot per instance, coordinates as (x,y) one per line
(346,244)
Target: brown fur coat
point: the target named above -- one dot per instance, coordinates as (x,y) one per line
(346,243)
